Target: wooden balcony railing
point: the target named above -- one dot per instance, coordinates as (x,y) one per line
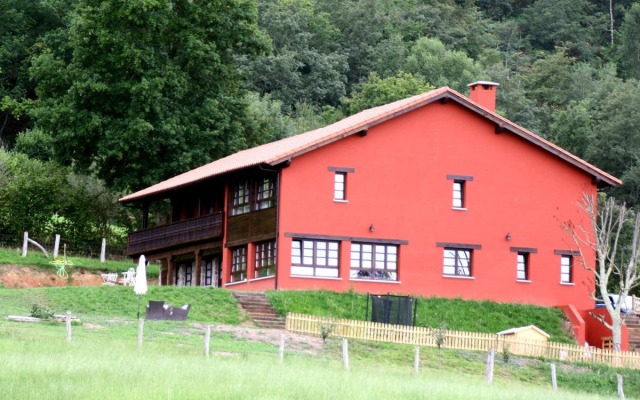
(177,233)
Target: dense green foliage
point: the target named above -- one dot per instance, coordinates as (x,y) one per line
(135,91)
(45,199)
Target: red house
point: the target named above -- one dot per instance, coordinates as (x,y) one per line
(433,195)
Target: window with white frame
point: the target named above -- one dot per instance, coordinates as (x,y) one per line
(566,269)
(265,259)
(457,262)
(241,199)
(238,264)
(522,266)
(311,257)
(374,261)
(265,193)
(340,186)
(459,195)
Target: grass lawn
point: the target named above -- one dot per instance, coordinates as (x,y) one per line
(103,361)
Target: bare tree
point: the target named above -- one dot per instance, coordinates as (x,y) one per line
(613,257)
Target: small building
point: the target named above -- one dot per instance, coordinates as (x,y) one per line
(525,333)
(524,340)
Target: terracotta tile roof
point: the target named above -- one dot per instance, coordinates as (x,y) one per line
(285,149)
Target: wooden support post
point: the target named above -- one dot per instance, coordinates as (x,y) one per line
(68,321)
(554,379)
(103,250)
(489,373)
(140,331)
(345,353)
(56,246)
(416,360)
(281,347)
(198,270)
(25,244)
(207,339)
(620,388)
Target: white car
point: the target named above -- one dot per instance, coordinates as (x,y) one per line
(626,307)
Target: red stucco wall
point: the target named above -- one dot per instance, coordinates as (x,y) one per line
(400,186)
(596,330)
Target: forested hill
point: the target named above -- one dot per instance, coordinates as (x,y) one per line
(135,91)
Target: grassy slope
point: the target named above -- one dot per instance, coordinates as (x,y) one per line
(456,314)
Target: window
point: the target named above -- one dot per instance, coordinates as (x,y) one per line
(265,194)
(458,198)
(265,259)
(566,269)
(315,258)
(457,262)
(374,261)
(238,264)
(206,277)
(241,203)
(340,186)
(458,194)
(522,273)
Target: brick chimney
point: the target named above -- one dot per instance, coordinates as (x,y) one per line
(484,93)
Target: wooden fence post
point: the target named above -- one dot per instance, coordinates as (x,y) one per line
(56,246)
(554,379)
(620,389)
(103,250)
(416,360)
(207,338)
(281,347)
(345,353)
(68,321)
(489,372)
(140,331)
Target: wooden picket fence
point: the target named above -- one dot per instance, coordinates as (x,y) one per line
(422,336)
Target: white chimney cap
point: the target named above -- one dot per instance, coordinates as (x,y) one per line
(484,83)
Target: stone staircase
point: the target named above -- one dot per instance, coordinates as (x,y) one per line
(259,309)
(633,327)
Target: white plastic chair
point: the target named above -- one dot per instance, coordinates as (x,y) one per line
(129,277)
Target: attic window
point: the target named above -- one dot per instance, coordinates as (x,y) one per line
(340,183)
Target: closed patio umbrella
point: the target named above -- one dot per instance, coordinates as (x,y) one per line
(140,287)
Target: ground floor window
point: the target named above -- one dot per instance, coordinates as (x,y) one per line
(184,274)
(265,259)
(209,272)
(457,262)
(566,269)
(311,257)
(238,264)
(374,261)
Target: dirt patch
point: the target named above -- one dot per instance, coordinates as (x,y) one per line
(308,344)
(21,276)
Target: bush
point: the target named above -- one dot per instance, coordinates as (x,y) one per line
(41,310)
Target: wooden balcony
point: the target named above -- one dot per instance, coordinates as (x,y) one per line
(161,237)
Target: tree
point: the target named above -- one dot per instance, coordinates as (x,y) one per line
(378,91)
(305,64)
(431,60)
(22,23)
(140,90)
(628,51)
(603,234)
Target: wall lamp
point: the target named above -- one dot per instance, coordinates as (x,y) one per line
(372,228)
(508,237)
